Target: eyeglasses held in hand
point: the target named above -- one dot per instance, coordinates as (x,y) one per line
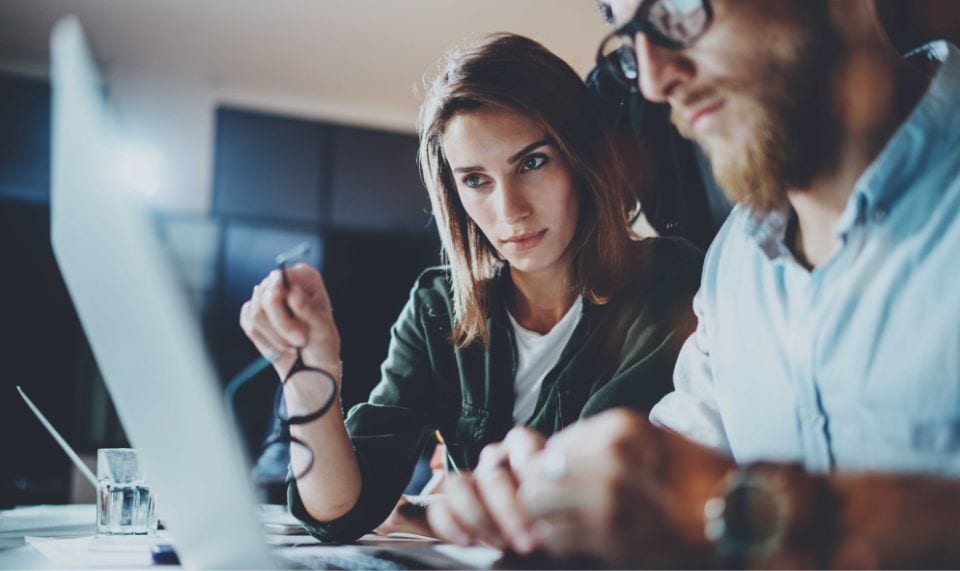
(307,393)
(672,24)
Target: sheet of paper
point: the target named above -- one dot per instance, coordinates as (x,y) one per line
(291,540)
(276,514)
(45,521)
(471,557)
(397,536)
(48,520)
(10,542)
(97,551)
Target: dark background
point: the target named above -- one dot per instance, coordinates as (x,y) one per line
(354,194)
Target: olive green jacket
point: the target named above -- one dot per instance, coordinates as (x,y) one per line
(621,353)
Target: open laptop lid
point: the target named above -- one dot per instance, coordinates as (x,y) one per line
(145,337)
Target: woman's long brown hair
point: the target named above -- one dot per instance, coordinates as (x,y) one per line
(512,72)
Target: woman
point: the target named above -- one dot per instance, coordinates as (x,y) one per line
(547,311)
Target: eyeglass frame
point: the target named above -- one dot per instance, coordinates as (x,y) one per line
(283,436)
(639,24)
(299,366)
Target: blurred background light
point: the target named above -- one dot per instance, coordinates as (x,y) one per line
(137,167)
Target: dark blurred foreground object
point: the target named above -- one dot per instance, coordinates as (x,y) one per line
(668,175)
(912,23)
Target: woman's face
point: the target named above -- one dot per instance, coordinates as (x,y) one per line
(515,185)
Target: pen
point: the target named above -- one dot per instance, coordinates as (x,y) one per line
(56,436)
(446,451)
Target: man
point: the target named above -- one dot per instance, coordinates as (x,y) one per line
(816,416)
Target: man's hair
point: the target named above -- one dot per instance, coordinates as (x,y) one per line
(510,72)
(605,10)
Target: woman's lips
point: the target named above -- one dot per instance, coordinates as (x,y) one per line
(524,241)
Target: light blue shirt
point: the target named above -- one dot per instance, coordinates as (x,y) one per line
(856,364)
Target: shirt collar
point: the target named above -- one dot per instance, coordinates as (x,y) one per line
(928,132)
(768,229)
(924,137)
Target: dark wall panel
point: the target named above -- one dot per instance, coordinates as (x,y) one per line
(376,185)
(268,166)
(40,348)
(250,254)
(24,138)
(369,277)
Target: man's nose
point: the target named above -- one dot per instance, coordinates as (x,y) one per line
(660,70)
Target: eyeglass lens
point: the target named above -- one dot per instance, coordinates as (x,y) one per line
(290,450)
(673,24)
(681,21)
(307,392)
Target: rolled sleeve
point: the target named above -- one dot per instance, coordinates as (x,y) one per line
(691,409)
(388,432)
(386,460)
(662,319)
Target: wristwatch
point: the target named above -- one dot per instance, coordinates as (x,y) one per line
(746,521)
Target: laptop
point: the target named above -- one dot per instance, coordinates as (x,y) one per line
(148,342)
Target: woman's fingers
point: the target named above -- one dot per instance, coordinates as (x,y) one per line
(311,282)
(280,319)
(323,343)
(258,328)
(275,308)
(262,325)
(269,352)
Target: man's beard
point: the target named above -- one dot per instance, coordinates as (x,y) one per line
(792,138)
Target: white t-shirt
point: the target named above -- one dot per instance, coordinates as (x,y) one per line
(537,355)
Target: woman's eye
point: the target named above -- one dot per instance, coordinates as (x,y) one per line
(533,162)
(472,180)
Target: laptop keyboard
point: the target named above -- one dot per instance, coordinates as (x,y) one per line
(350,561)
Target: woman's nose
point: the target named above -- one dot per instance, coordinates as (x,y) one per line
(514,207)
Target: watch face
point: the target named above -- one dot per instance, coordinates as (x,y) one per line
(754,514)
(749,520)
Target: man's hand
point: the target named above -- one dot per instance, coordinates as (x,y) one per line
(482,507)
(617,488)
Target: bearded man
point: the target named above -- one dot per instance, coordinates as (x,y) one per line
(815,420)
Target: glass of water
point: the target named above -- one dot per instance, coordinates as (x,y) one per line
(125,505)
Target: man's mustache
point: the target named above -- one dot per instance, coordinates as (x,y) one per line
(679,107)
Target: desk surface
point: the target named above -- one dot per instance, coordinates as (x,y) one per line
(24,557)
(62,537)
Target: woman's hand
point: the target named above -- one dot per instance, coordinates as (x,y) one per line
(482,507)
(278,321)
(406,517)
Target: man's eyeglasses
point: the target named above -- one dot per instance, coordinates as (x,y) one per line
(672,24)
(307,393)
